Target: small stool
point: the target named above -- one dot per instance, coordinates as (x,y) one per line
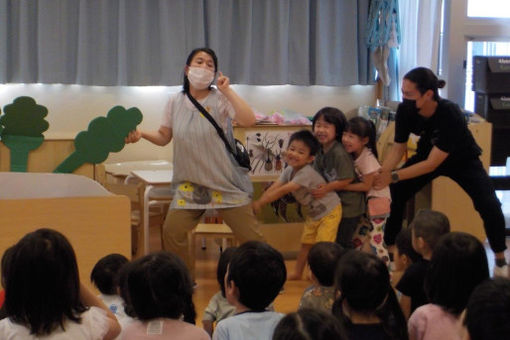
(210,230)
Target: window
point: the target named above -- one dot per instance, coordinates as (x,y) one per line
(489,8)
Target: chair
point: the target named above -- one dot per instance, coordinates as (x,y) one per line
(135,194)
(207,230)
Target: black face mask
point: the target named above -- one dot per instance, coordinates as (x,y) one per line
(409,105)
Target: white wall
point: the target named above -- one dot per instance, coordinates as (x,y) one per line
(72,107)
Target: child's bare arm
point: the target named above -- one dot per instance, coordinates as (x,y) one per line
(364,186)
(276,191)
(405,304)
(89,299)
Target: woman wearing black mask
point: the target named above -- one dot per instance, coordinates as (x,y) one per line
(446,148)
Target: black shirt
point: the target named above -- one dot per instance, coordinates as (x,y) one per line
(367,332)
(411,283)
(446,129)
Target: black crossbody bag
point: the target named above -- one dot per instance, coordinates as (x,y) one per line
(240,153)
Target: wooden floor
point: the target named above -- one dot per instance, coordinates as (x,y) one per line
(207,259)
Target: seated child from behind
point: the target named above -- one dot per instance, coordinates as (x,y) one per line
(322,259)
(404,255)
(427,228)
(254,278)
(299,178)
(105,276)
(218,307)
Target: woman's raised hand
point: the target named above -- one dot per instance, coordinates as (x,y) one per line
(223,82)
(133,137)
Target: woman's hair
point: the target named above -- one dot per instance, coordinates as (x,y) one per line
(221,270)
(458,265)
(157,286)
(363,282)
(185,83)
(363,128)
(105,274)
(309,324)
(41,280)
(425,80)
(333,116)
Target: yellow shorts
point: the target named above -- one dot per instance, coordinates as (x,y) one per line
(324,229)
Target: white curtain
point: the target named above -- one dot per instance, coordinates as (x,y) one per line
(420,22)
(145,42)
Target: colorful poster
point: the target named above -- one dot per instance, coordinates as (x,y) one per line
(266,151)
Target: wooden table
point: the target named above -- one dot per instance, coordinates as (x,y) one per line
(152,179)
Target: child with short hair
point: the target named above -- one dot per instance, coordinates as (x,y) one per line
(255,277)
(105,276)
(157,289)
(458,265)
(366,305)
(299,178)
(487,313)
(219,308)
(307,324)
(322,259)
(43,294)
(427,228)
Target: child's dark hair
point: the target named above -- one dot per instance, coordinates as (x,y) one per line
(185,83)
(323,259)
(363,282)
(105,274)
(363,128)
(488,310)
(333,116)
(425,80)
(42,286)
(307,324)
(458,265)
(404,244)
(221,270)
(430,225)
(259,272)
(158,286)
(308,139)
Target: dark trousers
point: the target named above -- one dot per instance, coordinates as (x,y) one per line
(346,230)
(472,178)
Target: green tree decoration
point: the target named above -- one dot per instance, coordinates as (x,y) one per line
(22,125)
(104,135)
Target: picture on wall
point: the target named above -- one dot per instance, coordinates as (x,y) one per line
(266,151)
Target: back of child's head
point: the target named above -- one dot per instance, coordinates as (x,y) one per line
(333,116)
(488,310)
(323,259)
(404,244)
(458,265)
(258,271)
(105,274)
(221,270)
(363,128)
(41,282)
(158,286)
(430,225)
(308,139)
(308,324)
(363,282)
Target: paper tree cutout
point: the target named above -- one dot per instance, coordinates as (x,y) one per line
(104,135)
(22,125)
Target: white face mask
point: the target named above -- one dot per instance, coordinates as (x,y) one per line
(200,78)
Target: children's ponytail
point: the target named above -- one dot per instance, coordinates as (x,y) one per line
(363,128)
(393,320)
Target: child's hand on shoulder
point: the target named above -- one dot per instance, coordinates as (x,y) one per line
(223,82)
(321,191)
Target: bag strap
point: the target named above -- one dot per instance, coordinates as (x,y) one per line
(212,121)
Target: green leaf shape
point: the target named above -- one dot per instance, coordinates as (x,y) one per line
(19,147)
(24,117)
(104,135)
